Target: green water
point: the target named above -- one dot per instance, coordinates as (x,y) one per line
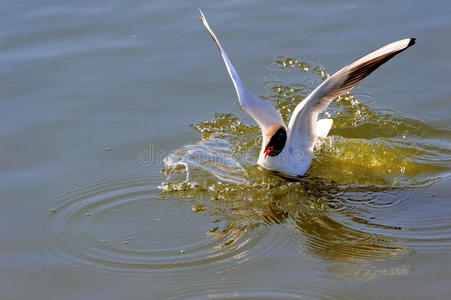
(128,169)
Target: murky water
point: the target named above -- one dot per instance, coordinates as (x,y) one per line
(128,169)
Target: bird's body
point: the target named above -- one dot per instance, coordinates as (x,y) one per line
(289,149)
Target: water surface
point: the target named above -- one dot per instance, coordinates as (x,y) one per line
(128,169)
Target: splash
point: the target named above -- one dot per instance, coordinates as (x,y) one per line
(366,146)
(371,160)
(202,165)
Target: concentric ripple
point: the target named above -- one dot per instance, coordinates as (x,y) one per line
(120,225)
(246,293)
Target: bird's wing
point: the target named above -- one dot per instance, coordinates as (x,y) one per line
(262,111)
(303,122)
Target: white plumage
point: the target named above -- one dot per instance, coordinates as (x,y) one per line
(296,156)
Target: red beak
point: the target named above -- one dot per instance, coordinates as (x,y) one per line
(268,149)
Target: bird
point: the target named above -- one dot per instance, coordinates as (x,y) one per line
(289,149)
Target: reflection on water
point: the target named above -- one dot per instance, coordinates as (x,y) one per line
(86,86)
(236,212)
(371,162)
(323,212)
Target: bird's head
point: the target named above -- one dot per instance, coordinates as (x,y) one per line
(276,135)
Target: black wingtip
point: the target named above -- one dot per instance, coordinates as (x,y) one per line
(412,42)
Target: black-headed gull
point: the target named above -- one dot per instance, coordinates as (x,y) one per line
(290,149)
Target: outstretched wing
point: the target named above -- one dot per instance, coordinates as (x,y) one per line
(262,111)
(304,119)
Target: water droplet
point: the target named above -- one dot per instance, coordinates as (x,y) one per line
(199,208)
(214,229)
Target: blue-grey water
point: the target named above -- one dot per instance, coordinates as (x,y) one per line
(127,167)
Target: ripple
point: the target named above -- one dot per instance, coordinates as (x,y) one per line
(371,198)
(365,271)
(120,225)
(283,63)
(246,293)
(366,146)
(351,207)
(245,289)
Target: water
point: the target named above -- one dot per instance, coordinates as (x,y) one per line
(128,169)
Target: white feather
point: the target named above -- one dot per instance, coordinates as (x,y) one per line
(323,127)
(260,110)
(303,121)
(304,126)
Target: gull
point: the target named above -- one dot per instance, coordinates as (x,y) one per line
(289,149)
